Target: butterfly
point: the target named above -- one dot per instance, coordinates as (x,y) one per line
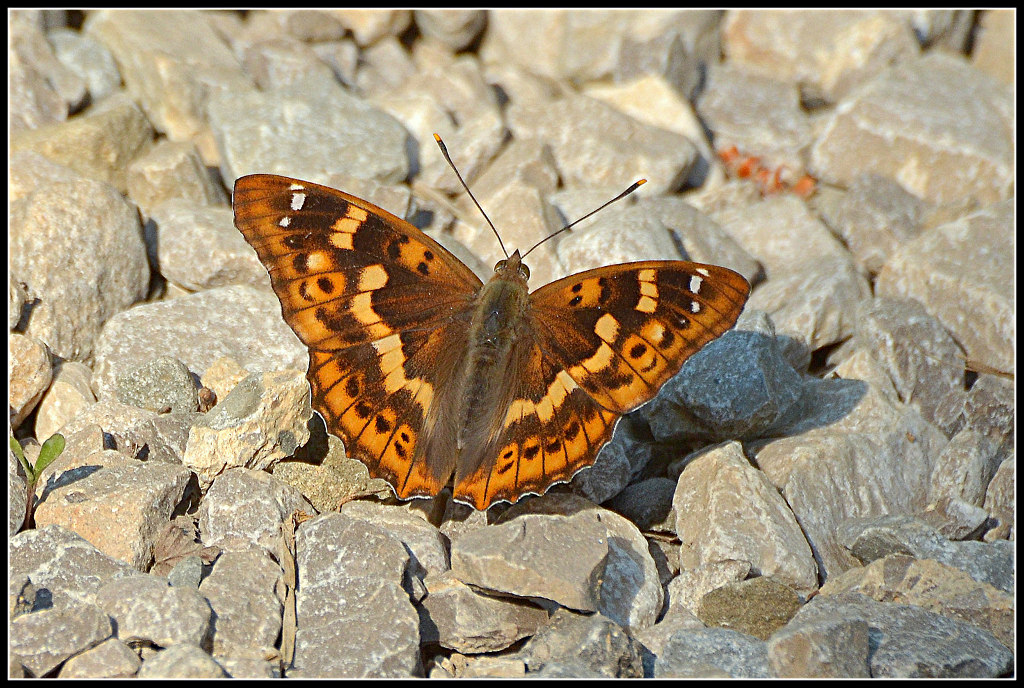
(429,374)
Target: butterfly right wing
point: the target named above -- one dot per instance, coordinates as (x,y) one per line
(383,308)
(602,342)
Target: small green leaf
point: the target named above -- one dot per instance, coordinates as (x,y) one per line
(50,450)
(16,448)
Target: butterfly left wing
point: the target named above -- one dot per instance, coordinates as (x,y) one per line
(603,343)
(383,309)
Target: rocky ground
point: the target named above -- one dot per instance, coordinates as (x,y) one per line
(826,490)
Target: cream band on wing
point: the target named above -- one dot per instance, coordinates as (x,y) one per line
(648,302)
(346,226)
(392,367)
(545,408)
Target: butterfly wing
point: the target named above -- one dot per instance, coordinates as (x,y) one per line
(383,308)
(602,343)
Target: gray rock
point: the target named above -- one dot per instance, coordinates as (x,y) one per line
(715,652)
(63,566)
(737,386)
(872,538)
(975,305)
(853,451)
(89,59)
(146,609)
(54,213)
(157,385)
(455,28)
(197,330)
(354,618)
(199,247)
(419,536)
(827,54)
(107,487)
(728,510)
(578,646)
(110,659)
(340,132)
(181,661)
(893,119)
(648,504)
(934,586)
(919,356)
(45,638)
(875,217)
(99,143)
(171,170)
(824,648)
(457,617)
(167,59)
(665,158)
(576,554)
(241,590)
(1001,500)
(907,641)
(246,508)
(814,302)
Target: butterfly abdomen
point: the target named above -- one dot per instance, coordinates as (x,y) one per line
(496,339)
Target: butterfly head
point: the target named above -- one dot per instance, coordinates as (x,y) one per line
(513,267)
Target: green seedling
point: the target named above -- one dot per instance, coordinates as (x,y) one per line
(50,450)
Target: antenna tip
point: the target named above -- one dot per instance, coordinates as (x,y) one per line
(639,183)
(437,138)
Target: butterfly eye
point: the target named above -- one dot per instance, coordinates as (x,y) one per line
(524,271)
(500,265)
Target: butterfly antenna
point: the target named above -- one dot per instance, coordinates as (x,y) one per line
(444,152)
(636,185)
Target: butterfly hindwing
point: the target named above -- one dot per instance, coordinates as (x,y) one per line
(551,430)
(379,305)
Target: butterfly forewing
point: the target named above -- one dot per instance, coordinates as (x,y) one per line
(380,306)
(634,325)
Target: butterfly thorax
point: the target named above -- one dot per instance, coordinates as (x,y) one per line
(501,306)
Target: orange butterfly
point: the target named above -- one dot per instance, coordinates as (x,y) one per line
(426,373)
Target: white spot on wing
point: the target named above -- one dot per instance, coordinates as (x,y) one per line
(298,200)
(704,272)
(296,187)
(695,307)
(285,221)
